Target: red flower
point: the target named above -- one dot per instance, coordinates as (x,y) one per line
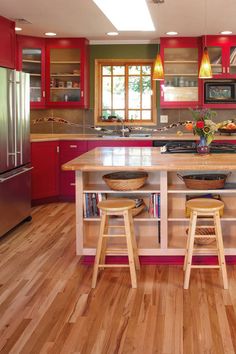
(200,124)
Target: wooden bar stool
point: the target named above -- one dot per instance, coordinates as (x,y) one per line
(116,207)
(208,208)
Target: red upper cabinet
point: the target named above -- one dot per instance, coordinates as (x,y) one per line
(222,53)
(67,73)
(7,43)
(181,58)
(31,59)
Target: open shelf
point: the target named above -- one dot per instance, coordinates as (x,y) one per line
(147,188)
(181,188)
(179,215)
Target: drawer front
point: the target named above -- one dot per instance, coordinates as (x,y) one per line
(71,149)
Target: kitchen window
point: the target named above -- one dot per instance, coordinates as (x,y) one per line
(124,90)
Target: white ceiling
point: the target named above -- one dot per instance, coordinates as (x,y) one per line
(82,18)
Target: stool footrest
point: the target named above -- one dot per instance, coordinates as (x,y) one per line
(113,265)
(205,266)
(204,236)
(109,235)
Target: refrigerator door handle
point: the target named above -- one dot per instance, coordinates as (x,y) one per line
(19,117)
(11,138)
(23,170)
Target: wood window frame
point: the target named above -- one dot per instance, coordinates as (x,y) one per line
(98,91)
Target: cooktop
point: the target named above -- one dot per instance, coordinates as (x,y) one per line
(191,147)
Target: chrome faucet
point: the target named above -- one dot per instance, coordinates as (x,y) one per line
(124,129)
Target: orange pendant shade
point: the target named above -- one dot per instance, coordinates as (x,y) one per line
(205,71)
(158,72)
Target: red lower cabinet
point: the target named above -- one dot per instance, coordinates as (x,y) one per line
(68,151)
(45,174)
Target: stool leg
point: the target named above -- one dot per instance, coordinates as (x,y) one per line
(130,250)
(192,226)
(134,243)
(99,249)
(187,245)
(220,249)
(104,243)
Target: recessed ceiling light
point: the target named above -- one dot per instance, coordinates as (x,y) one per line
(171,33)
(112,33)
(18,29)
(116,10)
(226,32)
(50,34)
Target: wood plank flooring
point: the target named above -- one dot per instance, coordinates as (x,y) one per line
(47,304)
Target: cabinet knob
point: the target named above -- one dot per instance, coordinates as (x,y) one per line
(73,146)
(72,184)
(223,70)
(228,70)
(43,93)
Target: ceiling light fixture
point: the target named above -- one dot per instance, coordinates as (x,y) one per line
(18,29)
(205,71)
(116,10)
(112,33)
(50,34)
(171,33)
(226,32)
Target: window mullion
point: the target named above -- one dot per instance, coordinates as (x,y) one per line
(127,92)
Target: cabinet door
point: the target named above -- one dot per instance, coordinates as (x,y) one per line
(31,59)
(67,72)
(7,43)
(68,151)
(45,160)
(181,66)
(222,53)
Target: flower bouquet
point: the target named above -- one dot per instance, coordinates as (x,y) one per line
(203,125)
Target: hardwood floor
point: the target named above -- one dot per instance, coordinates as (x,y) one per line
(47,304)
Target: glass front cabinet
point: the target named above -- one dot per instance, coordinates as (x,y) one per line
(67,72)
(31,59)
(180,87)
(222,53)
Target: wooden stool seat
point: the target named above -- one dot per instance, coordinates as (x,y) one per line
(116,207)
(111,205)
(211,208)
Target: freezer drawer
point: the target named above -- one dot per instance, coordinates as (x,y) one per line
(15,198)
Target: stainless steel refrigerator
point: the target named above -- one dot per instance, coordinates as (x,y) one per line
(15,170)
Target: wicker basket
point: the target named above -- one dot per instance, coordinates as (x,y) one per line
(136,211)
(204,231)
(125,181)
(204,181)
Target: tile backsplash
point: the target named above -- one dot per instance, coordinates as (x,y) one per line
(81,120)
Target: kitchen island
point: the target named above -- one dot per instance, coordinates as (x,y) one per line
(162,232)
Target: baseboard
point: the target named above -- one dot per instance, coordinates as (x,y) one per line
(161,260)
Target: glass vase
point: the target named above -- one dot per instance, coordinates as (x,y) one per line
(202,147)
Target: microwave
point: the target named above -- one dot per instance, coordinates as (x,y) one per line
(223,91)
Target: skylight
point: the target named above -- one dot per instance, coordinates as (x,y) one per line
(127,15)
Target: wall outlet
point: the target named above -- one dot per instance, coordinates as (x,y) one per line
(164,119)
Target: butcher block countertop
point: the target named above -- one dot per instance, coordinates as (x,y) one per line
(156,136)
(148,159)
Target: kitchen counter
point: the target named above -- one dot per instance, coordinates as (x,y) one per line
(149,159)
(163,233)
(156,136)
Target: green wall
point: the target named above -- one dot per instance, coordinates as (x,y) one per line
(119,51)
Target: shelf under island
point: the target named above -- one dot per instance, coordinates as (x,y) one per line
(162,232)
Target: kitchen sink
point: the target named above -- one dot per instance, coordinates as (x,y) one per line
(141,135)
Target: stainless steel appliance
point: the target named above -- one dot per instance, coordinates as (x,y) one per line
(176,147)
(15,175)
(221,91)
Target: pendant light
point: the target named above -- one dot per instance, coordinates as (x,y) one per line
(158,72)
(205,71)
